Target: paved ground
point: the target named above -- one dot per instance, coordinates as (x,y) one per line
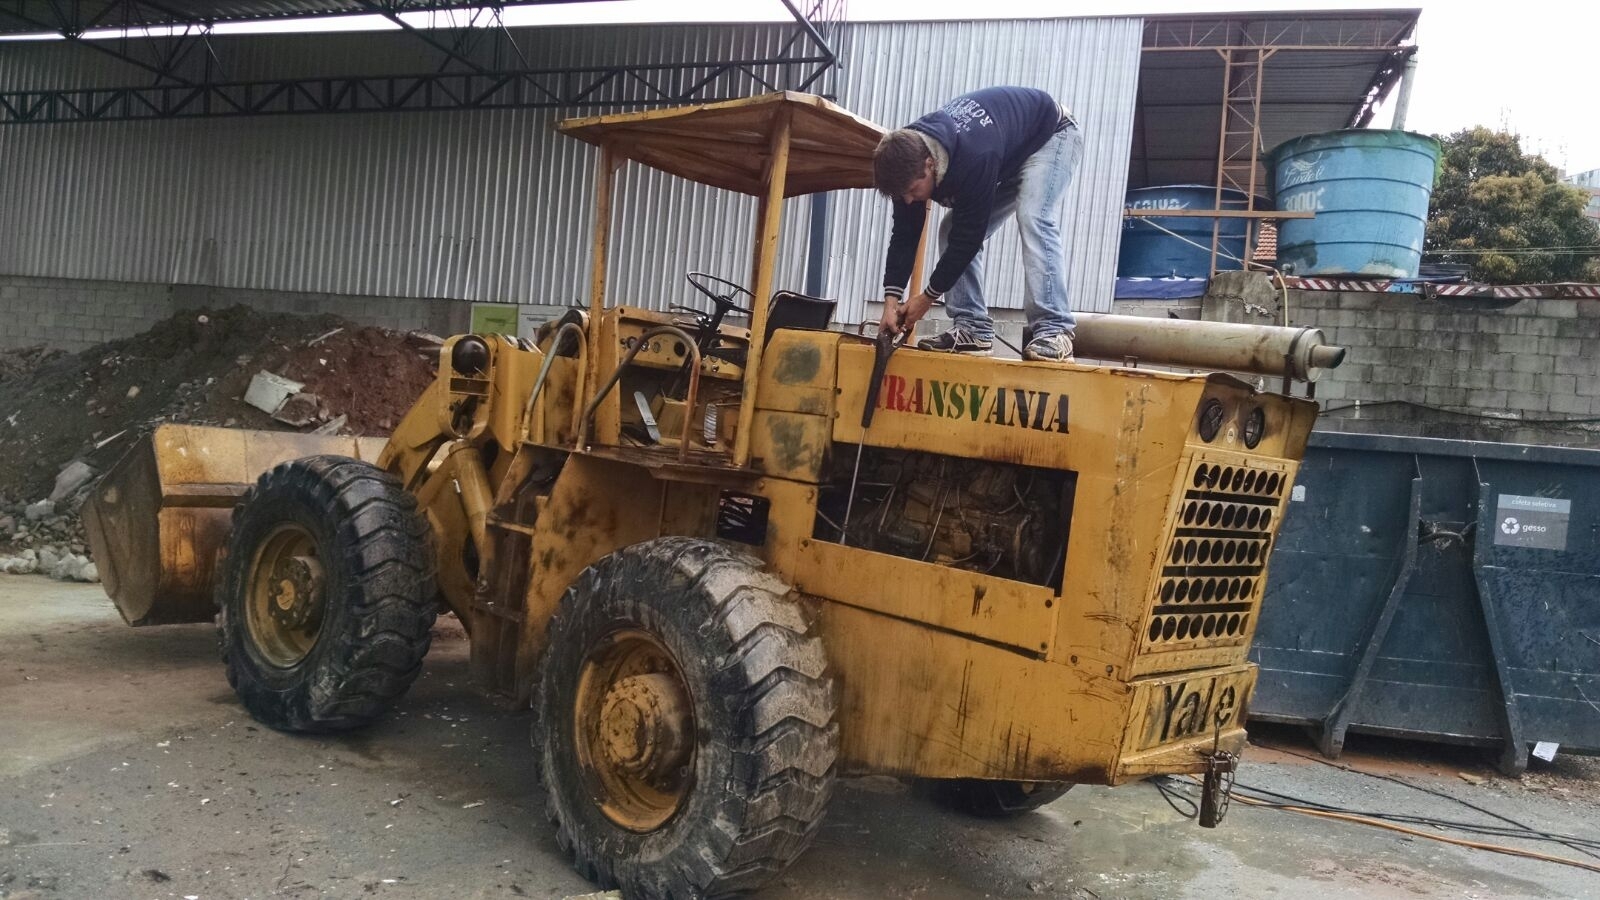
(127,770)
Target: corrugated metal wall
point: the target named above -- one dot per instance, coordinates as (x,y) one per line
(494,206)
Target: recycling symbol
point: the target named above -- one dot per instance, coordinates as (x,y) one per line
(1510,525)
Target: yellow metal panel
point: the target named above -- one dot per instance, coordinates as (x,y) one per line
(690,509)
(790,445)
(769,216)
(1176,718)
(994,609)
(1288,420)
(1188,756)
(514,372)
(194,454)
(790,520)
(1204,595)
(799,373)
(596,507)
(1056,417)
(1186,706)
(605,352)
(159,518)
(917,701)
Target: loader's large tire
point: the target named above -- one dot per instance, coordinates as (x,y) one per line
(686,730)
(992,799)
(326,599)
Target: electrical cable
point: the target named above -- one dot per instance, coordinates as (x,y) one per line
(1404,783)
(1416,832)
(1464,413)
(1509,251)
(1243,263)
(1570,840)
(1171,795)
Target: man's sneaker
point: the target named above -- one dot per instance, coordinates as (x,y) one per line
(957,340)
(1055,348)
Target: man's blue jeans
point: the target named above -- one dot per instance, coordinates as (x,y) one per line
(1034,195)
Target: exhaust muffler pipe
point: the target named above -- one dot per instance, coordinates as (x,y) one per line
(1297,353)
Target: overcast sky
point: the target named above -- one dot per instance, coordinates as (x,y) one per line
(1532,66)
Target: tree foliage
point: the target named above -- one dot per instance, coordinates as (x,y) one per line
(1511,209)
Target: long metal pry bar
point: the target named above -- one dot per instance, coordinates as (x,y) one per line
(885,347)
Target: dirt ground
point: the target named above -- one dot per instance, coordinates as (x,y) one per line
(127,770)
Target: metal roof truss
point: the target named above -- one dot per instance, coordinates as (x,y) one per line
(480,64)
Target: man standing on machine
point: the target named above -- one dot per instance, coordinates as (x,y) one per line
(987,155)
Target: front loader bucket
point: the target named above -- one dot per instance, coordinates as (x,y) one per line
(160,517)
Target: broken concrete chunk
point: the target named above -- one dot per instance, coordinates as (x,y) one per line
(332,426)
(267,391)
(41,510)
(299,410)
(73,475)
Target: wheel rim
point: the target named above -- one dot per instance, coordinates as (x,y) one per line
(635,729)
(286,596)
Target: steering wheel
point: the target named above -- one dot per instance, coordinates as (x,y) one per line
(703,282)
(709,324)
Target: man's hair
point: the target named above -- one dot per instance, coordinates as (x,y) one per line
(900,159)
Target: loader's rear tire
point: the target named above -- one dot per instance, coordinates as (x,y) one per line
(992,799)
(686,731)
(326,599)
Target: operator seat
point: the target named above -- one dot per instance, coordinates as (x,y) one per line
(787,310)
(792,310)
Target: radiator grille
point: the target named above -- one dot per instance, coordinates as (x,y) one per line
(1214,570)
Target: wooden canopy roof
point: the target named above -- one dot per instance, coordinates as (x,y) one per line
(728,145)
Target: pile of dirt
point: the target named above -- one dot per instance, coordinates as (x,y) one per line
(89,408)
(25,361)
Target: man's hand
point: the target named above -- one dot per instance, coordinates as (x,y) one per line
(898,317)
(892,308)
(914,310)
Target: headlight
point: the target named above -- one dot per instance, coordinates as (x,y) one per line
(1255,425)
(1211,415)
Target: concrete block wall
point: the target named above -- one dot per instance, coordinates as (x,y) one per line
(1526,371)
(72,314)
(442,317)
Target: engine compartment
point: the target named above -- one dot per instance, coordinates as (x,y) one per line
(1000,519)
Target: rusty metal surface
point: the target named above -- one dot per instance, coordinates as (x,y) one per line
(161,514)
(718,143)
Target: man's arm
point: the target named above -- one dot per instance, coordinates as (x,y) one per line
(903,241)
(969,228)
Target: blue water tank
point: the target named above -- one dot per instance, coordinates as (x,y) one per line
(1147,251)
(1369,190)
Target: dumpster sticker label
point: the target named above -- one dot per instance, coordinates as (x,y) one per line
(1538,522)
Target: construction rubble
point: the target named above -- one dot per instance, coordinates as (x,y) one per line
(66,418)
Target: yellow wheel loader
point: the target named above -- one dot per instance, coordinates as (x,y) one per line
(726,563)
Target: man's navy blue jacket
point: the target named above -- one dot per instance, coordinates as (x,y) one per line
(987,135)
